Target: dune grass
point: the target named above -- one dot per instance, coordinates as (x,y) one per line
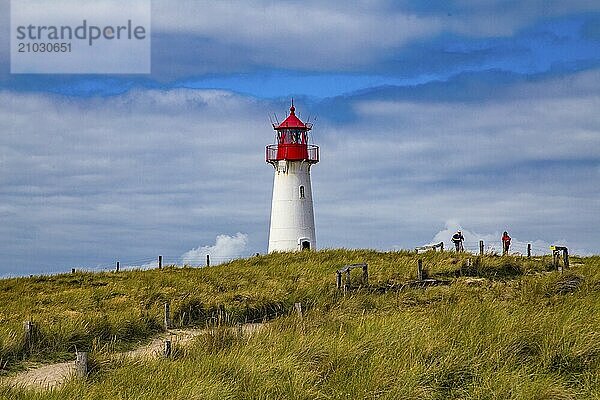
(503,327)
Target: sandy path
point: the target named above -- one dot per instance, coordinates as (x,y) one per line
(156,345)
(52,375)
(44,377)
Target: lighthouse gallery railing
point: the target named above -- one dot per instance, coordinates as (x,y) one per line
(289,152)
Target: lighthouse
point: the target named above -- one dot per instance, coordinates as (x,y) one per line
(292,216)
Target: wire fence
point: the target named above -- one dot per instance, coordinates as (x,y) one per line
(496,247)
(166,260)
(517,248)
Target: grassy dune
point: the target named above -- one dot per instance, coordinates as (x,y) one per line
(501,327)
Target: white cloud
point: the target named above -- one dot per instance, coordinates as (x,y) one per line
(301,35)
(501,17)
(322,35)
(545,125)
(225,249)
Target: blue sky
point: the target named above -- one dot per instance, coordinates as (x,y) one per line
(430,116)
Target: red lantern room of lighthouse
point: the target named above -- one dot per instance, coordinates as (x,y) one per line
(292,141)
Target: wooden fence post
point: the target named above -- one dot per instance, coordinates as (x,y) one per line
(481,247)
(566,257)
(338,279)
(159,261)
(298,307)
(347,285)
(419,269)
(528,250)
(167,349)
(118,266)
(365,276)
(81,364)
(28,330)
(208,260)
(167,315)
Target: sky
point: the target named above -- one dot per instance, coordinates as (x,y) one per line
(431,117)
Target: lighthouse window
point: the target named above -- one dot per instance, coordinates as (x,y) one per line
(301,192)
(296,136)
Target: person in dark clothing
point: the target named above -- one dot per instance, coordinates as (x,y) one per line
(458,239)
(505,243)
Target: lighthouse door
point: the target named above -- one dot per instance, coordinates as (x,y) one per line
(305,245)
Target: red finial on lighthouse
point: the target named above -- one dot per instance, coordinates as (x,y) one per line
(292,108)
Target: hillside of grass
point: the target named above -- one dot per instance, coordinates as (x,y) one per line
(493,327)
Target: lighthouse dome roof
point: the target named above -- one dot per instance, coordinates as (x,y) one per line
(292,121)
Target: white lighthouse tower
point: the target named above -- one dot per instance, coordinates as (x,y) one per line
(292,217)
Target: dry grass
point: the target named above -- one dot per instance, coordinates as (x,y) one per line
(503,328)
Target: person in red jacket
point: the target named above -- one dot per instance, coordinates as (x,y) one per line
(505,243)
